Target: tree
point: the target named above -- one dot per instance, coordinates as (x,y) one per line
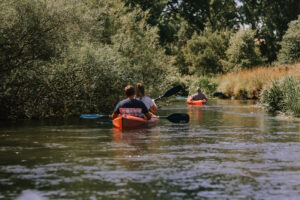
(270,18)
(204,53)
(242,51)
(290,45)
(31,31)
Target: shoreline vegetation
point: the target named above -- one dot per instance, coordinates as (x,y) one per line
(249,83)
(62,58)
(277,88)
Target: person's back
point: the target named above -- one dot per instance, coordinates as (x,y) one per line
(140,95)
(198,96)
(131,106)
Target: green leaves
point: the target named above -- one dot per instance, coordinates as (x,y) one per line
(290,45)
(242,52)
(61,58)
(205,52)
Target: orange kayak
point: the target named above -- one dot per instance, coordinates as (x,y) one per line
(132,122)
(196,103)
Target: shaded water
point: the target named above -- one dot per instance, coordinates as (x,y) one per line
(229,150)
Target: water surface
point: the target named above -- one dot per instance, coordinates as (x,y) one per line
(229,150)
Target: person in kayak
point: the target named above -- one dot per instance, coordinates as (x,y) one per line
(131,106)
(140,95)
(198,96)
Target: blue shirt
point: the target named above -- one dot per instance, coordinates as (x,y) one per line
(131,107)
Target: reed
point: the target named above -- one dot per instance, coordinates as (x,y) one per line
(248,84)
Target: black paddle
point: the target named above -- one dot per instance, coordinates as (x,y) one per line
(175,118)
(170,92)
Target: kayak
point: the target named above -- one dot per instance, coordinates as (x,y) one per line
(196,102)
(132,122)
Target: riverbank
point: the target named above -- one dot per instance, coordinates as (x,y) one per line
(276,87)
(248,84)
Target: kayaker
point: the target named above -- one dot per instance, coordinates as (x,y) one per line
(198,96)
(140,95)
(131,106)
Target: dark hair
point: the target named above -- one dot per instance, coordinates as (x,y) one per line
(129,90)
(140,91)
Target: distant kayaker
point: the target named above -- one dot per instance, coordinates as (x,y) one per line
(140,95)
(131,106)
(198,96)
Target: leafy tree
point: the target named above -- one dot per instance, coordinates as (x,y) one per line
(88,52)
(242,51)
(31,31)
(218,14)
(205,52)
(270,18)
(290,45)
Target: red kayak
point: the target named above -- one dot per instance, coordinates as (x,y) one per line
(123,122)
(196,102)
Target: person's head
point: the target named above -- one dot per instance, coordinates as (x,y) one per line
(129,91)
(140,90)
(198,89)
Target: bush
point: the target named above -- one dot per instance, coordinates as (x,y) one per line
(242,52)
(30,31)
(283,96)
(204,53)
(75,62)
(272,98)
(290,45)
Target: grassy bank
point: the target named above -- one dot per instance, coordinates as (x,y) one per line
(248,84)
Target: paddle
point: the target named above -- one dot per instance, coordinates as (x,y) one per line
(175,118)
(170,92)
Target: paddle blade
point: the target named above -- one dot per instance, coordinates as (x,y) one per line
(91,116)
(179,118)
(173,91)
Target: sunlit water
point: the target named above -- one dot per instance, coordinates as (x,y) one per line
(229,150)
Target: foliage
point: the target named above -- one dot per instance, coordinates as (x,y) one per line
(30,32)
(63,62)
(242,52)
(204,53)
(283,96)
(207,84)
(290,45)
(248,83)
(270,19)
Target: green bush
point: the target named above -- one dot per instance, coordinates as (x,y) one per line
(283,96)
(272,98)
(65,58)
(242,51)
(204,53)
(30,31)
(290,44)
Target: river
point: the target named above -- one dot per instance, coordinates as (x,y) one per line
(230,150)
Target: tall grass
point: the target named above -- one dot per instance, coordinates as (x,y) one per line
(248,84)
(283,96)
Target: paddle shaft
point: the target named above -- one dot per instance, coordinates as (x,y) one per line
(175,118)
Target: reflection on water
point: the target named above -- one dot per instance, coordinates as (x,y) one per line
(229,150)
